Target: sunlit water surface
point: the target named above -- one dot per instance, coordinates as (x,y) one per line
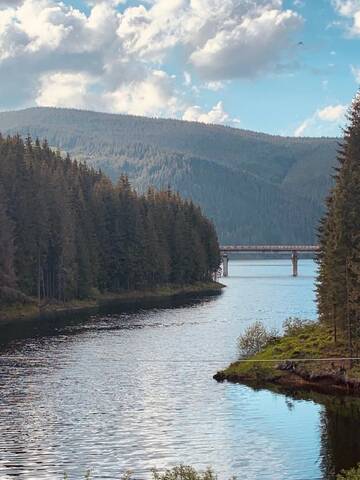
(132,391)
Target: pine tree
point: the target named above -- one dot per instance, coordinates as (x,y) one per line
(7,251)
(66,231)
(339,259)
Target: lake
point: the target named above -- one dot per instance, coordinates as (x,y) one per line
(134,390)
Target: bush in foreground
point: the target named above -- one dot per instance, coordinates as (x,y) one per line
(184,472)
(181,472)
(255,338)
(294,325)
(352,474)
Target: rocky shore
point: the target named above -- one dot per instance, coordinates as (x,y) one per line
(305,359)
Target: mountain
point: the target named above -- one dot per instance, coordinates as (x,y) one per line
(257,188)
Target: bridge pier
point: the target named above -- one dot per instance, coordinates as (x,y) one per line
(225,262)
(293,249)
(295,259)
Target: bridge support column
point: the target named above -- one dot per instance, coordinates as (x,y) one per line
(294,259)
(225,262)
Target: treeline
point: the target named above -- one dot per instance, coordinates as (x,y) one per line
(66,231)
(256,188)
(338,287)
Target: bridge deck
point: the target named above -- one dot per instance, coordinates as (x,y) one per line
(269,248)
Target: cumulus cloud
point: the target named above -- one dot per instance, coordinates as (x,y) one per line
(332,113)
(64,90)
(224,38)
(324,122)
(53,53)
(216,115)
(349,9)
(248,47)
(153,96)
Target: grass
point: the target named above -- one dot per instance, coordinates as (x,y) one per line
(310,341)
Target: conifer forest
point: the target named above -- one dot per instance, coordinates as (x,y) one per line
(67,232)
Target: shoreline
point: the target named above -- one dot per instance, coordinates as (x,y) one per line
(295,382)
(57,310)
(305,371)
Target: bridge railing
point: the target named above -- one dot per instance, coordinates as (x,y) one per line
(293,249)
(269,248)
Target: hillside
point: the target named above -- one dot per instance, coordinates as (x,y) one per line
(256,187)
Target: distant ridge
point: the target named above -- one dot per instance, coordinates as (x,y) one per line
(256,187)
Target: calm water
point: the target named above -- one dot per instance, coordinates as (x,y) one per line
(135,390)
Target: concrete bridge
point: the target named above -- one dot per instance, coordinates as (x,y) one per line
(294,250)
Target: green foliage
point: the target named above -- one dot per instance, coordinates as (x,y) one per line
(181,472)
(352,474)
(295,326)
(66,231)
(255,338)
(338,288)
(256,188)
(310,340)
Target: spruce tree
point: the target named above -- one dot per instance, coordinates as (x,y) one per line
(67,232)
(339,259)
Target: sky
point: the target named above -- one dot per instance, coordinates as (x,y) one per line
(285,67)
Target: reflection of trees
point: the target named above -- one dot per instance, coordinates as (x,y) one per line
(340,435)
(339,428)
(339,431)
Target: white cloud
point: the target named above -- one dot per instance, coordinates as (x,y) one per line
(214,86)
(324,122)
(64,90)
(224,38)
(59,55)
(153,96)
(216,115)
(46,26)
(349,9)
(332,113)
(252,45)
(356,73)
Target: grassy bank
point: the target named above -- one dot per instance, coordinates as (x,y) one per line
(32,311)
(293,361)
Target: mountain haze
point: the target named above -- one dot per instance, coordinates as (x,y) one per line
(256,187)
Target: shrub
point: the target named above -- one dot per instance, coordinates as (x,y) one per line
(255,338)
(184,473)
(352,474)
(181,472)
(294,325)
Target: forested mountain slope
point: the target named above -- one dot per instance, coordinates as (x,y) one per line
(256,187)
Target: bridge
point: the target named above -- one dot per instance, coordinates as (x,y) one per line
(294,250)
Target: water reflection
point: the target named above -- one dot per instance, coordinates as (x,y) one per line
(135,390)
(340,438)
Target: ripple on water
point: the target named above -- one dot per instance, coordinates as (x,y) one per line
(135,391)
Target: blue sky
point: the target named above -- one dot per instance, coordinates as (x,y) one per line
(284,67)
